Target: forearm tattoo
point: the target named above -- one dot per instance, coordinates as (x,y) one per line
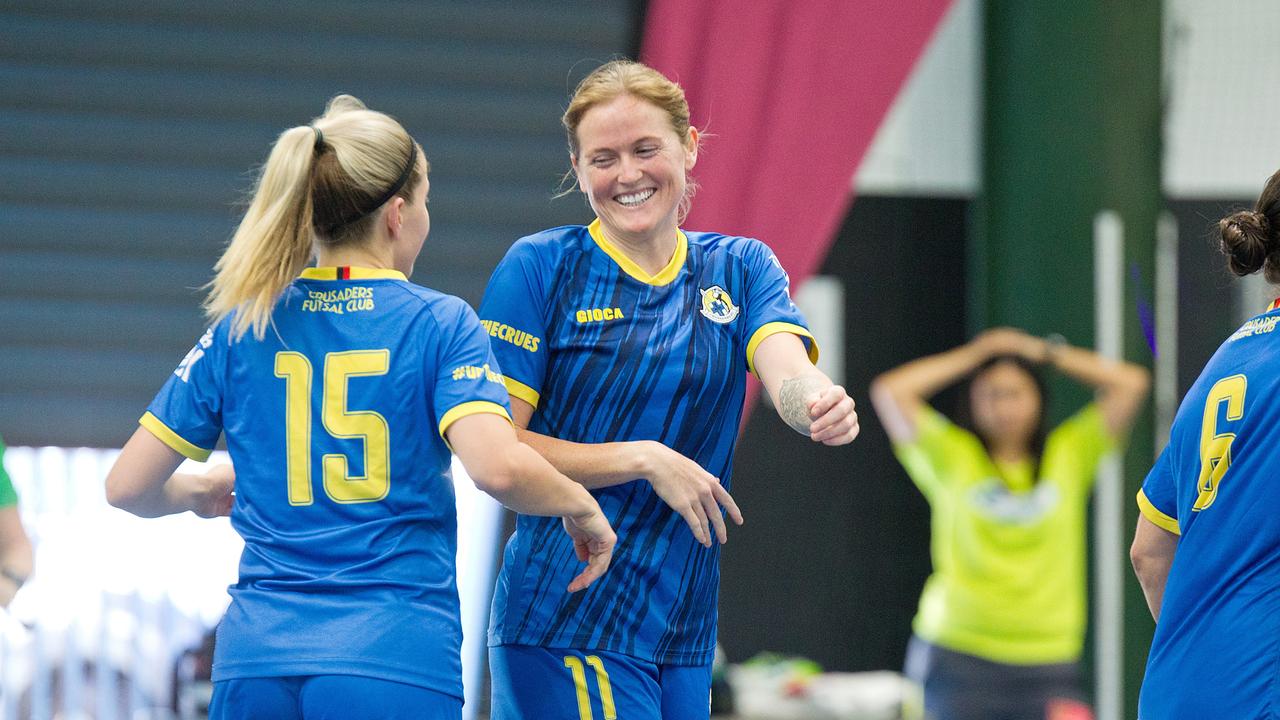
(791,401)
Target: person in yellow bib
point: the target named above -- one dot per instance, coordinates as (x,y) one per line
(1001,620)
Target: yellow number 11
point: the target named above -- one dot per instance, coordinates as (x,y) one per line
(340,422)
(580,684)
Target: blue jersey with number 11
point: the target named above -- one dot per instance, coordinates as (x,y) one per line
(1216,650)
(335,423)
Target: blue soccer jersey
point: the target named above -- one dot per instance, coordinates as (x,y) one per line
(1217,644)
(605,352)
(335,425)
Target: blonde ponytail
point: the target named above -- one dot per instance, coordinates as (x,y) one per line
(272,243)
(321,183)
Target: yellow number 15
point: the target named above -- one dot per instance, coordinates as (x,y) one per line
(339,422)
(1215,447)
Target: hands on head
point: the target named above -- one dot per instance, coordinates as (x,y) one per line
(1012,341)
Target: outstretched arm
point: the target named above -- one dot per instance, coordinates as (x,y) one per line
(803,395)
(691,491)
(524,481)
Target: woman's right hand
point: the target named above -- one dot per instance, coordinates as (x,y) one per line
(695,494)
(593,541)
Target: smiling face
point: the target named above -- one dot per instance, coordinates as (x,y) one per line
(632,166)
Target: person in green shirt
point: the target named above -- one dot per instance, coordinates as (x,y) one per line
(15,546)
(1001,620)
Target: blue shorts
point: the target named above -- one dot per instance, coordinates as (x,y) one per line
(537,683)
(329,697)
(958,686)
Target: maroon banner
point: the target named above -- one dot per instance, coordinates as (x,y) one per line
(791,94)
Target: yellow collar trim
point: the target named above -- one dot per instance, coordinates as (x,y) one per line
(629,266)
(351,273)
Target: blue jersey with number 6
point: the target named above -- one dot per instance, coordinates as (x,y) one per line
(1217,645)
(335,424)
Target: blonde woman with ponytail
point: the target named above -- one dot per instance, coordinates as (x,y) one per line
(341,389)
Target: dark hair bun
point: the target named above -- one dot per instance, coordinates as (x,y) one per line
(1247,240)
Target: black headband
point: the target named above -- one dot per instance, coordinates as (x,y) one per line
(390,193)
(319,139)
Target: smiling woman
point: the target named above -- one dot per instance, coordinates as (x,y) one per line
(634,174)
(636,393)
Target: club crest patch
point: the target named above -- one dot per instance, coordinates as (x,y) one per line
(717,306)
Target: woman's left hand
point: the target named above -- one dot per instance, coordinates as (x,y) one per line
(835,421)
(214,493)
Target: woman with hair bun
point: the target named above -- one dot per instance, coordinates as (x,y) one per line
(341,389)
(1207,548)
(626,344)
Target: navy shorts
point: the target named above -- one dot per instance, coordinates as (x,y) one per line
(958,686)
(536,683)
(329,697)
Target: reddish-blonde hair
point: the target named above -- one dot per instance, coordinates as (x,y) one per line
(628,77)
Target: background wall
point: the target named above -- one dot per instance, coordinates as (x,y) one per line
(1221,145)
(130,132)
(832,558)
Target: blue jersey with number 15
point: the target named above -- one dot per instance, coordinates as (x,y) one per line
(1217,645)
(335,425)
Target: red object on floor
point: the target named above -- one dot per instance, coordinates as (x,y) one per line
(1067,710)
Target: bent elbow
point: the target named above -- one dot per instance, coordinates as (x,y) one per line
(117,495)
(881,394)
(498,476)
(1143,562)
(876,386)
(1139,378)
(1136,560)
(121,493)
(492,483)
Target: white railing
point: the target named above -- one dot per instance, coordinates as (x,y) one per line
(110,624)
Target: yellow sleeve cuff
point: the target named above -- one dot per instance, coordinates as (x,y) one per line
(774,328)
(173,439)
(522,391)
(475,407)
(1152,513)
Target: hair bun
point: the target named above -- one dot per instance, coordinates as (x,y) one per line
(1246,241)
(343,103)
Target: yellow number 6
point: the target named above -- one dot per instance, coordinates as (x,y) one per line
(1215,447)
